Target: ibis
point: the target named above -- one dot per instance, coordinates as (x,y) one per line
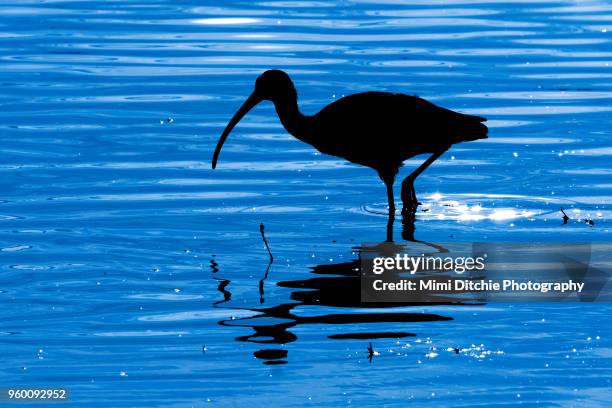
(379,130)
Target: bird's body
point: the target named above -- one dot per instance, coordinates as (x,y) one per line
(379,130)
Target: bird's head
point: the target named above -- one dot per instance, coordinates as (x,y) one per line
(273,85)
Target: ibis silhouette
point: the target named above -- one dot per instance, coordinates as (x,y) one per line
(379,130)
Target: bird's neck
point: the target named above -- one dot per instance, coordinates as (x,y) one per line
(293,120)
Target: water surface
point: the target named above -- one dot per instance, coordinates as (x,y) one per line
(131,271)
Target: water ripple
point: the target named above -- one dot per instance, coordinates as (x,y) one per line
(128,259)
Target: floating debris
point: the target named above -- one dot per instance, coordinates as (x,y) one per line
(372,352)
(565,217)
(263,236)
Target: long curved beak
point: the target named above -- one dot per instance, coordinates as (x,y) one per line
(253,100)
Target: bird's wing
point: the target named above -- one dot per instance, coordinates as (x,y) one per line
(432,111)
(445,124)
(386,107)
(382,123)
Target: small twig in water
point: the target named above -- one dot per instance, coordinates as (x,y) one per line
(214,266)
(263,235)
(565,217)
(261,282)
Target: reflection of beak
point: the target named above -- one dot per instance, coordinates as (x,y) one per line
(253,100)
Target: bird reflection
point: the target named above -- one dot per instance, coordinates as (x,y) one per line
(336,285)
(379,130)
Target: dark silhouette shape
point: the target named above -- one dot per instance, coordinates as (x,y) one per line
(565,217)
(263,236)
(456,350)
(261,282)
(273,356)
(227,295)
(214,266)
(334,285)
(590,222)
(275,362)
(379,130)
(370,352)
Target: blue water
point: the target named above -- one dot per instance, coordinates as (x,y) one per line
(131,270)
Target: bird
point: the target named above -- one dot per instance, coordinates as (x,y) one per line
(379,130)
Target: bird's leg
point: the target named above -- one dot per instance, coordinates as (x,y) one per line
(409,198)
(390,198)
(391,219)
(408,218)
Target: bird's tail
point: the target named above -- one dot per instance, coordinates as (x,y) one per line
(473,129)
